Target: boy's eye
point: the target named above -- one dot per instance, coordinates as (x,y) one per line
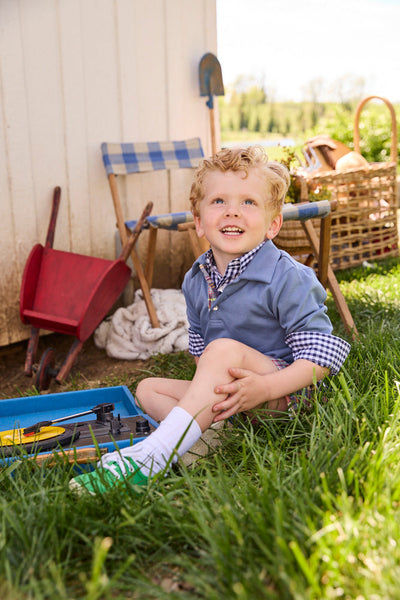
(218,201)
(249,201)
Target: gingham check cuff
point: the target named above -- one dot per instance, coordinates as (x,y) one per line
(323,349)
(196,343)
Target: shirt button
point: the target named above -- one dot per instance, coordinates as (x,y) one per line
(215,308)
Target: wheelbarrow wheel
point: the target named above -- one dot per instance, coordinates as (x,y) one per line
(46,371)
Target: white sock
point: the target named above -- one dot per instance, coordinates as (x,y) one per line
(175,435)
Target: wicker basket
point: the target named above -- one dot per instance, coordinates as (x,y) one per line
(364,225)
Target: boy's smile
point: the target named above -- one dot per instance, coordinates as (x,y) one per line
(234,214)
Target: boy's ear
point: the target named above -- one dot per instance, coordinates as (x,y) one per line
(275,227)
(199,228)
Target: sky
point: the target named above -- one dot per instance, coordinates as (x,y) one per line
(286,44)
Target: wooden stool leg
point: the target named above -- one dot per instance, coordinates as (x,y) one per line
(195,243)
(145,289)
(151,253)
(324,249)
(309,260)
(321,248)
(199,245)
(341,304)
(331,281)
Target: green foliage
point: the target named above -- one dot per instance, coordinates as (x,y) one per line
(315,191)
(239,113)
(252,111)
(374,127)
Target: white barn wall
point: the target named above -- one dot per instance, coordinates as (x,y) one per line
(73,74)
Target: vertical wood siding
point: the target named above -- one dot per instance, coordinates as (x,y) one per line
(75,73)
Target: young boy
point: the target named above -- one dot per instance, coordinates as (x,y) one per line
(258,324)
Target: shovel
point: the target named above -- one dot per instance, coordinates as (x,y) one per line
(210,77)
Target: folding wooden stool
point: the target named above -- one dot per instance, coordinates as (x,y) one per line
(128,159)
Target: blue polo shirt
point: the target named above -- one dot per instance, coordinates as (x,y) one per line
(275,305)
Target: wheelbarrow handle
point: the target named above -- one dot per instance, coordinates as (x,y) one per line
(53,218)
(131,241)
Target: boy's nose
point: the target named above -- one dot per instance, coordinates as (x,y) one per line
(232,210)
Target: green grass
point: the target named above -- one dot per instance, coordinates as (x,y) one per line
(302,509)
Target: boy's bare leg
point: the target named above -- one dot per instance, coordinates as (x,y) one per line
(198,396)
(157,396)
(191,414)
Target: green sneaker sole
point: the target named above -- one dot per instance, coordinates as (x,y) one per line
(101,480)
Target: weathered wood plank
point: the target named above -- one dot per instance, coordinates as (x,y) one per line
(74,74)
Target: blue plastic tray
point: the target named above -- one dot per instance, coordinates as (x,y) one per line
(16,413)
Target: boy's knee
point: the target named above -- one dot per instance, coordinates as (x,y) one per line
(143,391)
(140,386)
(223,347)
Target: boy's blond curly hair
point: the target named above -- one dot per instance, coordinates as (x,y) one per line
(276,175)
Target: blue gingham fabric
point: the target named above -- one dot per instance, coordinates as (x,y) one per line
(290,212)
(139,157)
(168,221)
(322,348)
(309,210)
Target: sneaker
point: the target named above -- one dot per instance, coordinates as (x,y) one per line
(108,476)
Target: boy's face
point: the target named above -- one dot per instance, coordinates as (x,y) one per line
(235,215)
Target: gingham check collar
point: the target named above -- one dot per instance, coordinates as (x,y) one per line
(234,269)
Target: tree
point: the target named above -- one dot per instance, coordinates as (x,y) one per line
(313,90)
(348,89)
(255,95)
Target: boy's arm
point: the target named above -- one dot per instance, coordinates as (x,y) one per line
(250,390)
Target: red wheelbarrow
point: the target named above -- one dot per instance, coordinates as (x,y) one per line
(70,294)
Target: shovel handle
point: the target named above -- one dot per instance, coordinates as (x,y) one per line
(212,129)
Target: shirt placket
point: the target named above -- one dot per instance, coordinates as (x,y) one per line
(212,291)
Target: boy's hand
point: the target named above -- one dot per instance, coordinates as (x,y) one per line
(250,389)
(247,391)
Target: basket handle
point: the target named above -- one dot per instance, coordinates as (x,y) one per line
(393,147)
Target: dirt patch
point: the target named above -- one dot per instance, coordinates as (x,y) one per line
(92,368)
